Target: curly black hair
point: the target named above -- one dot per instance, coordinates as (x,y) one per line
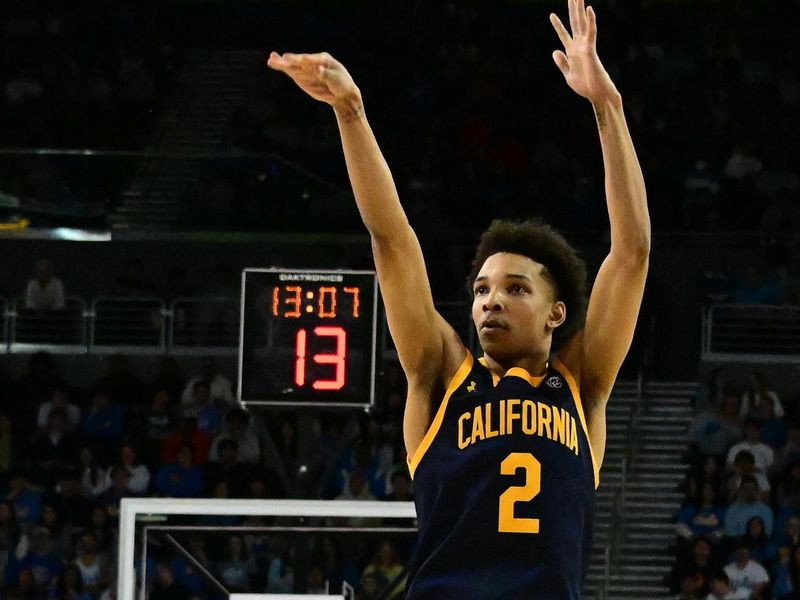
(543,244)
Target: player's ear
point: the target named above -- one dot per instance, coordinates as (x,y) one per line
(558,314)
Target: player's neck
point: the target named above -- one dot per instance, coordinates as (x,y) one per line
(535,365)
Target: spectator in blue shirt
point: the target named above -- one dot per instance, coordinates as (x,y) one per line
(102,426)
(27,501)
(702,519)
(745,508)
(182,479)
(40,560)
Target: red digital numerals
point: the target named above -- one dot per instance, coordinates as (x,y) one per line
(288,301)
(337,358)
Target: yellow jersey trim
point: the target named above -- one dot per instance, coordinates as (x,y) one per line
(513,372)
(455,382)
(573,386)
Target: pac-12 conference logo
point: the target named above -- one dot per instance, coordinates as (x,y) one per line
(554,382)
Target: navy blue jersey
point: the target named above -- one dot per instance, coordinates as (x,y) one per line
(504,484)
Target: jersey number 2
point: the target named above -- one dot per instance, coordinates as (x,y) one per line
(507,522)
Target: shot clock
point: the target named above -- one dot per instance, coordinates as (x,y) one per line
(308,337)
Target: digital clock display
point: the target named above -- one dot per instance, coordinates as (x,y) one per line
(307,337)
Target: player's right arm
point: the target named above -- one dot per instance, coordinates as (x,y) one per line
(428,348)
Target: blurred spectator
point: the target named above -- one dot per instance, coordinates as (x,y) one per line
(754,289)
(357,490)
(93,477)
(744,465)
(54,448)
(721,589)
(315,581)
(27,500)
(138,473)
(153,426)
(219,387)
(181,479)
(236,567)
(746,574)
(186,433)
(44,564)
(758,389)
(44,291)
(692,573)
(33,390)
(787,575)
(91,565)
(401,490)
(337,567)
(717,284)
(102,426)
(69,500)
(237,427)
(387,567)
(704,519)
(788,493)
(209,419)
(169,378)
(60,532)
(280,573)
(9,533)
(70,585)
(790,451)
(166,588)
(371,585)
(762,550)
(711,434)
(745,508)
(102,527)
(227,468)
(59,399)
(120,488)
(763,454)
(773,427)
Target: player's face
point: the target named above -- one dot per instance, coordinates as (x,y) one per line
(513,307)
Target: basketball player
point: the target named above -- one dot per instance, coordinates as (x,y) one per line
(505,450)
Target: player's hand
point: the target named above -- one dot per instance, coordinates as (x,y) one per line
(580,65)
(319,75)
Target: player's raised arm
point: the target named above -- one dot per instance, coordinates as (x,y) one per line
(427,346)
(597,353)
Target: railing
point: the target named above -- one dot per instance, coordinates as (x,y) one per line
(29,328)
(758,333)
(206,325)
(123,324)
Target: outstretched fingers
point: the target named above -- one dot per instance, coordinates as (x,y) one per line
(563,35)
(591,33)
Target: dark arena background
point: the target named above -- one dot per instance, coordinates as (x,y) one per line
(148,157)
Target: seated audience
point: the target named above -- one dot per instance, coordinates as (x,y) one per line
(745,508)
(746,574)
(181,479)
(45,291)
(763,454)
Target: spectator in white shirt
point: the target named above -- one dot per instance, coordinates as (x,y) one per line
(59,399)
(752,442)
(138,474)
(747,574)
(759,388)
(44,291)
(721,589)
(219,386)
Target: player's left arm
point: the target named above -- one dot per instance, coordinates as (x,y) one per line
(595,355)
